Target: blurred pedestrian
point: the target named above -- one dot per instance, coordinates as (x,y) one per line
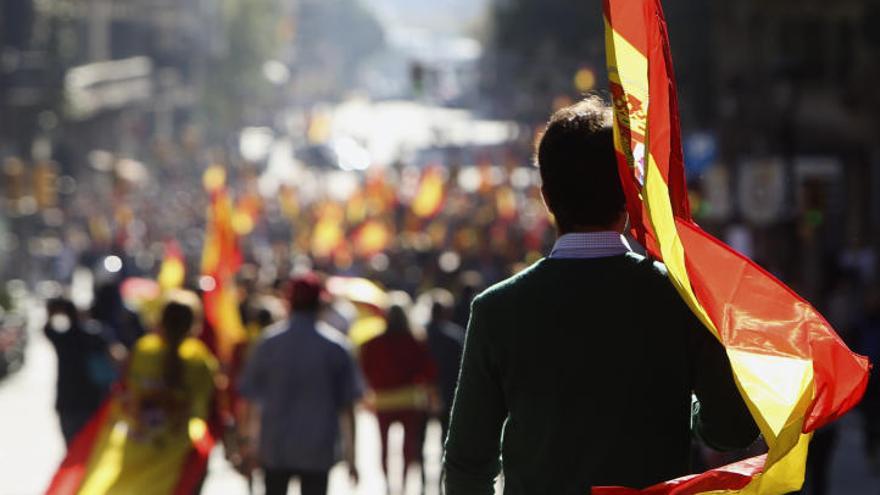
(472,282)
(868,343)
(167,400)
(262,311)
(401,374)
(445,343)
(585,363)
(85,368)
(171,374)
(299,384)
(109,309)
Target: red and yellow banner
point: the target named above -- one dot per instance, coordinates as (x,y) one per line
(431,193)
(792,369)
(172,272)
(221,259)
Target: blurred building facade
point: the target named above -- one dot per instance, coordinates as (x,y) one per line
(100,73)
(797,124)
(79,76)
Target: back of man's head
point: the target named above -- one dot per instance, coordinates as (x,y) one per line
(306,293)
(578,167)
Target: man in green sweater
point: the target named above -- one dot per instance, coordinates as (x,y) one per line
(580,370)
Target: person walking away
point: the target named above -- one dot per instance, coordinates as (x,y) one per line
(169,387)
(445,343)
(299,384)
(85,369)
(579,371)
(401,374)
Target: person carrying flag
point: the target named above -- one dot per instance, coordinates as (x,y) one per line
(588,360)
(152,436)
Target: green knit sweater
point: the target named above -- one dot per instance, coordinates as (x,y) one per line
(579,373)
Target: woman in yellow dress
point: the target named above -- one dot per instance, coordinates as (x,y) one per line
(156,439)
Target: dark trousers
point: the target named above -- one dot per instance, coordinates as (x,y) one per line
(413,423)
(72,422)
(819,460)
(311,482)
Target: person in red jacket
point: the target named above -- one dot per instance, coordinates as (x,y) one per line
(401,373)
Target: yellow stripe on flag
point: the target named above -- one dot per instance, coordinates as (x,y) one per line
(656,196)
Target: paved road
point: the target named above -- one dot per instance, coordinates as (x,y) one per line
(31,445)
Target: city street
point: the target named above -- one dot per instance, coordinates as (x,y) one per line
(387,166)
(32,446)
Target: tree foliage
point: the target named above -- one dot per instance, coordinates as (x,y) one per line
(234,80)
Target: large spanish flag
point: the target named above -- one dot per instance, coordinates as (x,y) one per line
(791,368)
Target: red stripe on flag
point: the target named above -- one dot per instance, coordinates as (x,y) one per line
(756,312)
(665,139)
(196,465)
(72,471)
(630,27)
(732,477)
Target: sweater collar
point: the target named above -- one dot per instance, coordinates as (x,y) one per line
(590,245)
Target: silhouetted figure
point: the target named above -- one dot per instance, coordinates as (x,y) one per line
(445,343)
(401,375)
(85,370)
(299,382)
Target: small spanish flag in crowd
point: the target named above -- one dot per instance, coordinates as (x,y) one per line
(172,272)
(791,368)
(431,193)
(328,234)
(371,237)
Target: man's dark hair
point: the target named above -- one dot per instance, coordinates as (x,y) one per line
(305,293)
(579,167)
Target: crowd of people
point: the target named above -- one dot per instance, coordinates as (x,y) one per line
(386,264)
(285,400)
(285,403)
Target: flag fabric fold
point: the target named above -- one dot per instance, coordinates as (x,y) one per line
(793,371)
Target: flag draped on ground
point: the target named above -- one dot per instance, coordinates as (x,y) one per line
(793,371)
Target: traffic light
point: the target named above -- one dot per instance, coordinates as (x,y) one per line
(45,184)
(417,75)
